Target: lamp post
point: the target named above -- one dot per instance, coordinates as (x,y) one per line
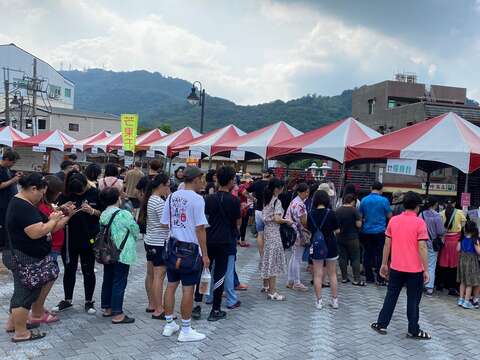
(194,99)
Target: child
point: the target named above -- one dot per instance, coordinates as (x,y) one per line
(468,273)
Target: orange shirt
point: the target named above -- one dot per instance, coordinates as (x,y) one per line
(406,230)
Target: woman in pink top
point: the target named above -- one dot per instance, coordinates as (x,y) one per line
(110,178)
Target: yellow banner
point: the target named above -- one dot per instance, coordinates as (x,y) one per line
(129,131)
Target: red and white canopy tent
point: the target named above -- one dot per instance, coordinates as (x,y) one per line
(329,141)
(150,136)
(53,139)
(446,139)
(9,136)
(167,143)
(85,144)
(206,142)
(112,142)
(259,142)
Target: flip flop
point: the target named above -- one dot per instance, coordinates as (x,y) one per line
(47,318)
(422,335)
(126,320)
(30,326)
(147,310)
(360,283)
(34,335)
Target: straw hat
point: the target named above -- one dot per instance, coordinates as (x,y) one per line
(325,187)
(246,178)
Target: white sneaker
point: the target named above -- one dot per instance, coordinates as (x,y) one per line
(334,303)
(192,335)
(319,304)
(170,329)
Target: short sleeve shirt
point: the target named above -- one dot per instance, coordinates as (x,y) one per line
(185,210)
(6,194)
(296,211)
(110,181)
(347,217)
(374,209)
(131,180)
(155,235)
(406,230)
(458,220)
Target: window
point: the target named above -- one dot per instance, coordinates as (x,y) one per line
(392,104)
(54,91)
(73,127)
(28,124)
(68,92)
(371,106)
(42,124)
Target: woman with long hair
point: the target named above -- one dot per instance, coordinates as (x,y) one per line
(155,239)
(93,172)
(81,231)
(273,260)
(454,220)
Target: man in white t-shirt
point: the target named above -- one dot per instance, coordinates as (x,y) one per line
(184,214)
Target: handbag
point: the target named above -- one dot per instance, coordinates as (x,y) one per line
(32,273)
(287,233)
(304,235)
(181,256)
(437,242)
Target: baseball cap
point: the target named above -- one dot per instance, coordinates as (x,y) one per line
(191,173)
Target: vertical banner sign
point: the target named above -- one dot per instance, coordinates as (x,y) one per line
(129,131)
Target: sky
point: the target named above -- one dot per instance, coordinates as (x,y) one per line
(255,51)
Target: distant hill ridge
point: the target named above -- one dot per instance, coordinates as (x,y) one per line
(159,99)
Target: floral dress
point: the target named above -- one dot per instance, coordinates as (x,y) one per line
(273,261)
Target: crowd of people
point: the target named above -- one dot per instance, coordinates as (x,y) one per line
(193,222)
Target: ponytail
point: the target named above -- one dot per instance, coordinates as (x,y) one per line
(160,179)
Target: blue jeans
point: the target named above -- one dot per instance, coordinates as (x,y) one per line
(432,264)
(229,283)
(113,287)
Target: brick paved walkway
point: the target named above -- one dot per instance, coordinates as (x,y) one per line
(258,330)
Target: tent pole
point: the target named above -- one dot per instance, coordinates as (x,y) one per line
(342,179)
(466,183)
(169,166)
(209,162)
(427,190)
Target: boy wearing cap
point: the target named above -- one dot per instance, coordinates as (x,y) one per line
(184,214)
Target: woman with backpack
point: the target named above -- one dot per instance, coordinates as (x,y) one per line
(111,178)
(123,230)
(436,230)
(454,220)
(273,259)
(323,225)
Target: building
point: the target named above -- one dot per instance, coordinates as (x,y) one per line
(54,90)
(392,105)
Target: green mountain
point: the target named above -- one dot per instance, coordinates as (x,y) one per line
(159,99)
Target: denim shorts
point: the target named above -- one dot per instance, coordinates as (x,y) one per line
(155,254)
(188,279)
(259,224)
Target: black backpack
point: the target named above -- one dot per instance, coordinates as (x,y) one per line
(104,248)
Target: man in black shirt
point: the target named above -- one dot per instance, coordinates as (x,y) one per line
(8,187)
(223,213)
(65,167)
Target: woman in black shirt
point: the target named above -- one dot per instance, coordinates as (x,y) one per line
(80,234)
(27,230)
(322,218)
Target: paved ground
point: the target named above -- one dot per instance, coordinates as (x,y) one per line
(258,330)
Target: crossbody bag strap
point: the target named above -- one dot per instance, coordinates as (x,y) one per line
(452,218)
(428,230)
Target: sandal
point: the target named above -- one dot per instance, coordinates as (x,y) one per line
(34,335)
(30,326)
(360,283)
(421,335)
(47,318)
(147,310)
(376,326)
(264,289)
(275,297)
(300,287)
(126,320)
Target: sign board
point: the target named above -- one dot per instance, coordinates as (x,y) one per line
(440,187)
(150,153)
(129,123)
(402,167)
(184,154)
(73,150)
(120,152)
(380,174)
(39,149)
(128,161)
(237,155)
(94,150)
(195,154)
(465,199)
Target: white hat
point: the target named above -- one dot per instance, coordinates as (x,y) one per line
(325,187)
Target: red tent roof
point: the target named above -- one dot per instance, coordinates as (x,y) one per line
(447,139)
(329,141)
(260,141)
(167,143)
(9,136)
(54,139)
(150,136)
(205,142)
(85,144)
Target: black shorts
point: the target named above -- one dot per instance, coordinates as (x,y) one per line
(188,279)
(155,254)
(22,296)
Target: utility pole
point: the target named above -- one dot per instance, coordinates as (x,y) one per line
(7,105)
(34,100)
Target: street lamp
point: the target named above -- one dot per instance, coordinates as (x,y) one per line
(194,99)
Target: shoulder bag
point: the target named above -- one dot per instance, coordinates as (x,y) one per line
(287,233)
(181,256)
(437,242)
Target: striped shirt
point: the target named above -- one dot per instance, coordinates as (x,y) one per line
(156,235)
